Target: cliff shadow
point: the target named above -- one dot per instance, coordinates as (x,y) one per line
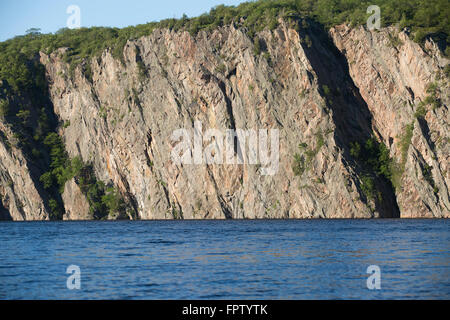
(4,214)
(31,117)
(350,112)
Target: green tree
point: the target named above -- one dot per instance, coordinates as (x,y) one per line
(4,108)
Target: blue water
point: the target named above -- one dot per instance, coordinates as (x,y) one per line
(226,259)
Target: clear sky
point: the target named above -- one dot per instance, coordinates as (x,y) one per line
(17,16)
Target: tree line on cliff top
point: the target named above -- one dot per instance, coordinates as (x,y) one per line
(425,18)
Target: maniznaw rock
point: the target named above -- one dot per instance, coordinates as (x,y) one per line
(320,100)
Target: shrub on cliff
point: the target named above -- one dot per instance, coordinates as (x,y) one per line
(4,108)
(424,17)
(376,162)
(374,155)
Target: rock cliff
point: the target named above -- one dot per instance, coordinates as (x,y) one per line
(325,93)
(395,77)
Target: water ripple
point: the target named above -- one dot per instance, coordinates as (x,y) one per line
(226,259)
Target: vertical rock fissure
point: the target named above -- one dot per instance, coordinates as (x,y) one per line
(350,113)
(4,213)
(33,129)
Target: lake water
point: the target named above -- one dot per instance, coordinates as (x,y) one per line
(321,259)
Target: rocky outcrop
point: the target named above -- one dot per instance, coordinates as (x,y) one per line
(393,74)
(121,119)
(75,203)
(20,199)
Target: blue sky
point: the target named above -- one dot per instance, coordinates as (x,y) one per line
(17,16)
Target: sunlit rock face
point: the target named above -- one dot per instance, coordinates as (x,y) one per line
(393,77)
(321,95)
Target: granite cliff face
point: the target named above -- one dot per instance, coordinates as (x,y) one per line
(19,194)
(322,92)
(393,74)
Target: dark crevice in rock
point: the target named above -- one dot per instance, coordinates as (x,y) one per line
(228,103)
(411,93)
(4,213)
(130,199)
(166,194)
(37,165)
(426,133)
(351,114)
(231,73)
(225,208)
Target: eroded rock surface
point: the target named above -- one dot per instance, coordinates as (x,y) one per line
(393,74)
(320,95)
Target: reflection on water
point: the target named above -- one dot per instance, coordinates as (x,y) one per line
(226,259)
